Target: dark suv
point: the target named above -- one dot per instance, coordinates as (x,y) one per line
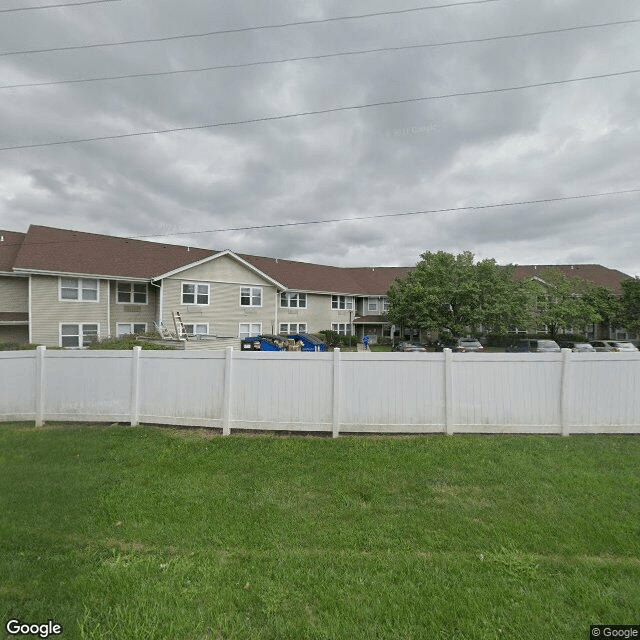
(527,345)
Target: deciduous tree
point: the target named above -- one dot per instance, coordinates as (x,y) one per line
(630,305)
(454,292)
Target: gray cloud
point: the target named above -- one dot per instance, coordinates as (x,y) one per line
(530,144)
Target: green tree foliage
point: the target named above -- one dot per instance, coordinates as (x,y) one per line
(562,302)
(448,291)
(606,304)
(630,305)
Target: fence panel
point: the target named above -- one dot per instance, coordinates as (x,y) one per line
(282,391)
(506,392)
(17,385)
(184,388)
(392,392)
(87,385)
(604,393)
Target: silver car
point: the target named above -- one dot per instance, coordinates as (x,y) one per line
(469,344)
(612,345)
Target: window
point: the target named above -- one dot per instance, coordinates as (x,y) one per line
(250,296)
(342,302)
(123,328)
(293,327)
(80,289)
(373,305)
(201,329)
(195,293)
(78,335)
(385,305)
(249,329)
(132,292)
(342,328)
(293,300)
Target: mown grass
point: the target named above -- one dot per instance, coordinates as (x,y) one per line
(129,533)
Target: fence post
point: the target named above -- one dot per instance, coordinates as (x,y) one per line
(448,392)
(336,393)
(564,383)
(40,353)
(135,385)
(227,391)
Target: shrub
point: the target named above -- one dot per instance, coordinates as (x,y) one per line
(126,342)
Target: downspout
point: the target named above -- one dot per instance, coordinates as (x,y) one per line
(275,315)
(108,308)
(29,309)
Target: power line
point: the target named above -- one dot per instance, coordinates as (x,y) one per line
(321,111)
(253,28)
(477,207)
(55,6)
(396,215)
(322,56)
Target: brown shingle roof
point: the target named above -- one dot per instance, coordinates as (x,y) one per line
(64,251)
(9,247)
(599,275)
(305,276)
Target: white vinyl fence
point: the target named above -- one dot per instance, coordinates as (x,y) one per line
(334,392)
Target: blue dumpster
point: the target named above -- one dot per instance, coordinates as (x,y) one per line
(309,342)
(261,343)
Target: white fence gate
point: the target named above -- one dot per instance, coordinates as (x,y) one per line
(335,392)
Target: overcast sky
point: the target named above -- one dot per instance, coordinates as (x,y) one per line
(530,144)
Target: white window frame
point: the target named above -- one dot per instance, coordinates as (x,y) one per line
(385,305)
(373,305)
(132,328)
(252,294)
(337,300)
(287,298)
(79,335)
(245,334)
(195,294)
(132,292)
(80,290)
(346,331)
(290,331)
(194,328)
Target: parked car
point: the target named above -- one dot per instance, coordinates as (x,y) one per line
(408,347)
(612,345)
(446,343)
(578,347)
(530,345)
(469,344)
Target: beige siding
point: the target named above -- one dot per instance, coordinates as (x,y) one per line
(133,312)
(318,315)
(48,312)
(223,269)
(223,314)
(14,294)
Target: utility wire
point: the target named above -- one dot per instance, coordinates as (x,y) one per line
(55,6)
(477,207)
(321,56)
(254,28)
(321,111)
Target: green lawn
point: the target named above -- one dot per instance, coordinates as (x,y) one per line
(143,533)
